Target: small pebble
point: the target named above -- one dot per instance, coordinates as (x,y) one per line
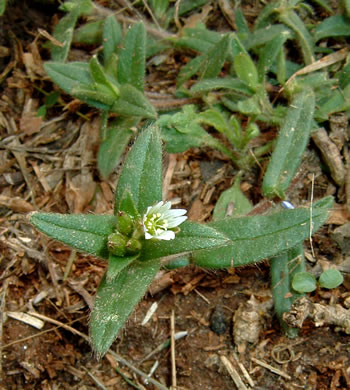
(218,323)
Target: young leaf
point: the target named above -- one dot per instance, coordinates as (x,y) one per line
(2,6)
(132,57)
(265,35)
(304,282)
(255,238)
(113,146)
(85,232)
(132,102)
(215,58)
(233,199)
(228,83)
(219,121)
(178,142)
(292,20)
(199,39)
(100,77)
(100,99)
(64,33)
(89,33)
(269,54)
(142,172)
(116,300)
(291,143)
(331,278)
(69,76)
(334,26)
(241,23)
(112,36)
(246,70)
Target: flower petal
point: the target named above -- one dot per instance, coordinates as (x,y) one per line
(176,221)
(166,235)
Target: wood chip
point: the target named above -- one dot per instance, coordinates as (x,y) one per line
(26,318)
(271,368)
(233,373)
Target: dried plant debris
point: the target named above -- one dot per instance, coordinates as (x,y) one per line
(339,129)
(248,321)
(330,154)
(320,314)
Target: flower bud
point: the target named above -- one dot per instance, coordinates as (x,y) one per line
(252,131)
(117,244)
(133,246)
(125,224)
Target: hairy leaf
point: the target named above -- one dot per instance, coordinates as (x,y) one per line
(85,232)
(291,143)
(255,238)
(113,146)
(116,300)
(132,57)
(142,172)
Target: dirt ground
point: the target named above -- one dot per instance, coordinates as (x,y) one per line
(50,165)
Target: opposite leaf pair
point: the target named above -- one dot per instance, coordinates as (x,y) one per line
(145,233)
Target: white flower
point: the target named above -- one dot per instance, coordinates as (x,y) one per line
(159,220)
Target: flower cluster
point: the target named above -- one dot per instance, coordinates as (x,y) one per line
(159,221)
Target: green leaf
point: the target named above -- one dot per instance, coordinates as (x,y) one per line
(304,282)
(228,83)
(132,57)
(189,70)
(159,7)
(252,239)
(178,141)
(142,172)
(111,149)
(334,26)
(85,232)
(250,107)
(89,33)
(241,23)
(265,35)
(116,266)
(291,143)
(283,268)
(101,78)
(292,20)
(127,205)
(192,236)
(215,58)
(269,53)
(219,121)
(69,76)
(232,198)
(331,278)
(199,39)
(85,7)
(246,70)
(267,14)
(112,36)
(132,102)
(116,300)
(64,33)
(181,131)
(100,99)
(2,6)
